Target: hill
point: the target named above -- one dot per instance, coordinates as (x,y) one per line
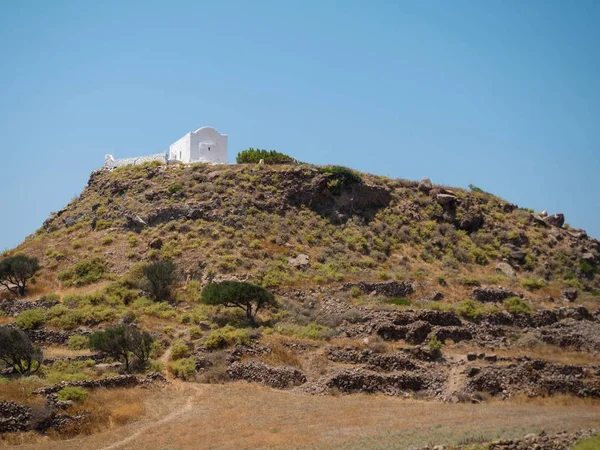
(383,286)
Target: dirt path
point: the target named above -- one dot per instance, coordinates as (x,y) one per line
(192,416)
(193,397)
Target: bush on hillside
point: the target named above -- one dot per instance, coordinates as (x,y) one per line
(159,279)
(84,272)
(253,156)
(72,393)
(516,305)
(31,319)
(340,177)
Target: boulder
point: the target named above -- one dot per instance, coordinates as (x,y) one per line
(516,253)
(299,261)
(446,199)
(134,221)
(425,185)
(417,332)
(555,220)
(505,269)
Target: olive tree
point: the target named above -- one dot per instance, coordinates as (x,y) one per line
(15,272)
(122,342)
(17,351)
(237,294)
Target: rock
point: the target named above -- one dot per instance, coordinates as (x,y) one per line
(134,221)
(589,257)
(491,358)
(446,199)
(569,294)
(425,185)
(417,332)
(555,220)
(505,269)
(299,261)
(516,253)
(156,243)
(472,371)
(471,356)
(543,214)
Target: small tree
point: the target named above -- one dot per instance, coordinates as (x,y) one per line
(123,341)
(160,277)
(17,351)
(236,294)
(15,272)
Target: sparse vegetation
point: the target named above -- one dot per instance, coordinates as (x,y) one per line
(84,272)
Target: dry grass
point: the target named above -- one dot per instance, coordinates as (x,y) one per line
(63,352)
(551,353)
(241,416)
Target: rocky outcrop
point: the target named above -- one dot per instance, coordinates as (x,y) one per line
(555,220)
(388,288)
(373,361)
(486,294)
(258,372)
(425,185)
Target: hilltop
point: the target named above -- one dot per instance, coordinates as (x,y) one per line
(388,286)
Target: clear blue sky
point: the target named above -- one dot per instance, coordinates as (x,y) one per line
(501,94)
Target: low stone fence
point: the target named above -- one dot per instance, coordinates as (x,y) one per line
(276,377)
(388,288)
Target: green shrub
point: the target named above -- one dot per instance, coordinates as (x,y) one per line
(470,309)
(174,188)
(159,279)
(355,292)
(400,301)
(179,350)
(516,305)
(107,240)
(434,343)
(77,342)
(339,178)
(184,368)
(532,284)
(253,156)
(31,319)
(196,333)
(586,267)
(227,336)
(84,272)
(72,393)
(473,282)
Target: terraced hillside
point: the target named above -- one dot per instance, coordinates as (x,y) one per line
(384,287)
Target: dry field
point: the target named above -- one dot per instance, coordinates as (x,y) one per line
(193,416)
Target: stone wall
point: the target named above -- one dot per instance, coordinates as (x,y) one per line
(111,163)
(14,417)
